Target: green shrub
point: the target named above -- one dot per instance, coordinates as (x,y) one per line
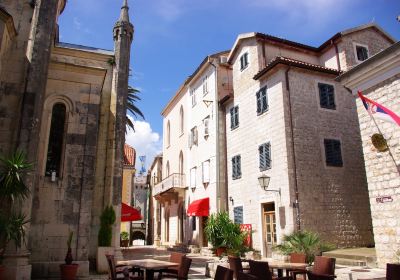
(107,219)
(306,242)
(124,235)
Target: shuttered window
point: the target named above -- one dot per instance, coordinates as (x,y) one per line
(206,171)
(244,61)
(193,177)
(236,167)
(326,96)
(333,152)
(234,117)
(264,151)
(362,53)
(262,101)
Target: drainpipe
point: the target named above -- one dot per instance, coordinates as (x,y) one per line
(216,103)
(337,55)
(296,190)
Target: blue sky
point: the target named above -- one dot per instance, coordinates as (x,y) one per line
(173,36)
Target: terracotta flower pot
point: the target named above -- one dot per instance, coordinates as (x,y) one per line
(68,271)
(220,251)
(124,243)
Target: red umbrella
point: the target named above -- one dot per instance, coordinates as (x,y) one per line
(129,213)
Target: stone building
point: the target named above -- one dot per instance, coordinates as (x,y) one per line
(379,80)
(193,163)
(64,105)
(304,139)
(139,200)
(154,177)
(128,175)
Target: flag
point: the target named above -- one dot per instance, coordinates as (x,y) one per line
(377,110)
(142,162)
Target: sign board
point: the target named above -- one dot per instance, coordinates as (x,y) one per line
(246,228)
(238,214)
(384,199)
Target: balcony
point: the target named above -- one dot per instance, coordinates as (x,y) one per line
(173,181)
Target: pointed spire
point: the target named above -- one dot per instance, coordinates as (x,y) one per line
(124,16)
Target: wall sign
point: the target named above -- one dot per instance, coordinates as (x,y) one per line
(384,199)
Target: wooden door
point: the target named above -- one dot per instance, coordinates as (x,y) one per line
(203,226)
(269,228)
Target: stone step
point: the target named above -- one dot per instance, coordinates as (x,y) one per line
(353,256)
(350,262)
(206,252)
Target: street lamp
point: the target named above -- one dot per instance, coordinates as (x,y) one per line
(263,180)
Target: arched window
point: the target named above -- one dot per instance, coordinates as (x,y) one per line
(181,163)
(167,169)
(182,124)
(168,134)
(56,140)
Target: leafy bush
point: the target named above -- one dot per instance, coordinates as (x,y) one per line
(124,235)
(107,219)
(306,242)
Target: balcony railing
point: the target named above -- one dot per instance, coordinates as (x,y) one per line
(174,180)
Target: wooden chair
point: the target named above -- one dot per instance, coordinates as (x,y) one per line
(223,273)
(183,271)
(392,271)
(297,258)
(246,276)
(115,272)
(175,257)
(324,266)
(235,264)
(261,271)
(314,276)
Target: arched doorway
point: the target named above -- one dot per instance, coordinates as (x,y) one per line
(138,238)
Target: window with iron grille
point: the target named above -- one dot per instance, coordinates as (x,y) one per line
(234,117)
(262,101)
(236,167)
(333,152)
(326,96)
(244,61)
(264,151)
(362,53)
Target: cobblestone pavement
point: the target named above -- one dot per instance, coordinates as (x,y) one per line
(198,267)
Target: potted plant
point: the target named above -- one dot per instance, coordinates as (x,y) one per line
(13,191)
(306,242)
(124,239)
(107,220)
(69,269)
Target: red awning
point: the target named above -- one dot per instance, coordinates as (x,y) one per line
(129,213)
(199,207)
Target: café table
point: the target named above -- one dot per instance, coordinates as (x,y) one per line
(149,265)
(282,265)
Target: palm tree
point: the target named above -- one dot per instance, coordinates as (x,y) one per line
(131,106)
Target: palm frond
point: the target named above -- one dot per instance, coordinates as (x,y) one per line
(131,107)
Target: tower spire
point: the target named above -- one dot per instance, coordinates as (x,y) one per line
(124,16)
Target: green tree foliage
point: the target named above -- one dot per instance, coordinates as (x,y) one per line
(131,107)
(306,242)
(107,219)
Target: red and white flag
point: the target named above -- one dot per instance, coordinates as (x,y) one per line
(377,110)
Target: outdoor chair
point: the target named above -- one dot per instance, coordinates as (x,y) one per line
(175,257)
(116,271)
(261,271)
(324,266)
(297,258)
(183,271)
(314,276)
(246,276)
(392,271)
(235,263)
(223,273)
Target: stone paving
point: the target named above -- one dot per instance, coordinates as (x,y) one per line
(198,267)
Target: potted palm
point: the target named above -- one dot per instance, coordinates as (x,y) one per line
(69,269)
(13,191)
(107,220)
(124,239)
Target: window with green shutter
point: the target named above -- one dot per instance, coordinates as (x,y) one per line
(234,112)
(262,101)
(244,61)
(326,96)
(236,167)
(333,152)
(264,151)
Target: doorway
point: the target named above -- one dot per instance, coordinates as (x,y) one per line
(269,228)
(204,242)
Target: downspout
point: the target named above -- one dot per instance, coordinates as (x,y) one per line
(337,55)
(296,189)
(217,182)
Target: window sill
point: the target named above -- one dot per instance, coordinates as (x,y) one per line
(234,128)
(236,178)
(265,168)
(262,112)
(244,68)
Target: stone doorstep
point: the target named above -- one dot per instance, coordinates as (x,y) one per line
(49,270)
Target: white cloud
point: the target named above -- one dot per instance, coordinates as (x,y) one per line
(170,9)
(77,23)
(145,141)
